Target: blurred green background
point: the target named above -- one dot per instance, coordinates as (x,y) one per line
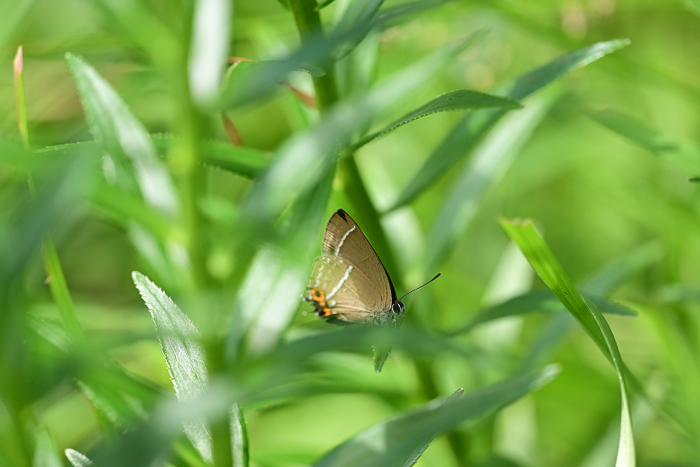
(603,170)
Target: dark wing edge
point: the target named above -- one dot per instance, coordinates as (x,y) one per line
(345,216)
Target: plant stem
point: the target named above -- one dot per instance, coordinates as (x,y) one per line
(308,23)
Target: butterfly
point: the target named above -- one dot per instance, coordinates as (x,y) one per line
(348,282)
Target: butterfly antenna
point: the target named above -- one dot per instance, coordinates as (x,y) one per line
(431,280)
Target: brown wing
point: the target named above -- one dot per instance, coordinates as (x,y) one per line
(347,291)
(344,239)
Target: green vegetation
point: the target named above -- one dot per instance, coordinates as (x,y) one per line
(167,171)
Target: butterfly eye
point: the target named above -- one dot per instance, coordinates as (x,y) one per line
(397,307)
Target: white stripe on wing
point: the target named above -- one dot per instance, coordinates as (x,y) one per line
(340,284)
(342,240)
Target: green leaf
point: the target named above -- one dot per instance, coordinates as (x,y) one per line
(209,46)
(183,353)
(324,4)
(12,16)
(45,454)
(242,160)
(683,153)
(77,459)
(471,128)
(123,138)
(539,301)
(239,437)
(460,99)
(357,20)
(552,274)
(400,441)
(308,156)
(489,162)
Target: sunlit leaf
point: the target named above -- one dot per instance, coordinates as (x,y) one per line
(400,441)
(461,99)
(78,459)
(45,454)
(209,48)
(471,128)
(183,353)
(123,138)
(552,274)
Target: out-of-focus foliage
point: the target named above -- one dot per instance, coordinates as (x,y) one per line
(205,144)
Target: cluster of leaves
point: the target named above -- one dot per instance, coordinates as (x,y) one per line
(244,357)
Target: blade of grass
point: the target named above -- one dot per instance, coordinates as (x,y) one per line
(45,454)
(461,99)
(472,127)
(552,274)
(398,442)
(52,264)
(489,162)
(183,353)
(683,153)
(123,138)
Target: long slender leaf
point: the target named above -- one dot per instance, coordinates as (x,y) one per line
(472,127)
(398,441)
(488,164)
(460,99)
(552,274)
(539,301)
(45,454)
(306,158)
(183,353)
(683,153)
(123,138)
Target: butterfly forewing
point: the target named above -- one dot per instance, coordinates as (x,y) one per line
(344,239)
(347,290)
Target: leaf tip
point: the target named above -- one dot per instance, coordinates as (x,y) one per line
(548,374)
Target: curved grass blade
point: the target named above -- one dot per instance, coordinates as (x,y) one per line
(77,459)
(552,274)
(471,128)
(461,99)
(183,354)
(400,441)
(359,18)
(539,301)
(123,138)
(683,153)
(489,162)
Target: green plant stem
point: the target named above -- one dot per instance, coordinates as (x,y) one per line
(52,265)
(308,23)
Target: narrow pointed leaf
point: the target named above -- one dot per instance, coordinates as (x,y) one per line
(552,274)
(78,459)
(183,354)
(209,48)
(540,301)
(461,99)
(471,128)
(45,454)
(683,153)
(398,442)
(123,139)
(489,162)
